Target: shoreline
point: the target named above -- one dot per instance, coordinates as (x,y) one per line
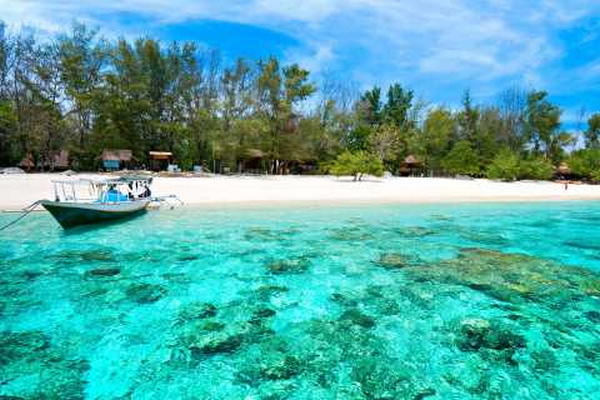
(19,191)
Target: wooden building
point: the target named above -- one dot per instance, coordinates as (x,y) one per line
(116,159)
(160,160)
(411,166)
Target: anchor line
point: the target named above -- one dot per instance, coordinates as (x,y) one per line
(26,211)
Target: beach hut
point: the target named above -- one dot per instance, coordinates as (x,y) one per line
(27,163)
(563,171)
(116,159)
(252,161)
(160,160)
(411,166)
(57,161)
(60,160)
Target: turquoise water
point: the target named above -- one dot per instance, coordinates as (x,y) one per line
(493,301)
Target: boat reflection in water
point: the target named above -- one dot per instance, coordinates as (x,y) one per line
(88,201)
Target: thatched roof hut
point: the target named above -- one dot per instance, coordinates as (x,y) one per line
(412,161)
(563,169)
(411,166)
(254,154)
(27,163)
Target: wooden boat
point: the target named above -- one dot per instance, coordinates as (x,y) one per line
(84,201)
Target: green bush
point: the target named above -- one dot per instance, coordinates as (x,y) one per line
(357,164)
(536,168)
(504,166)
(585,164)
(462,160)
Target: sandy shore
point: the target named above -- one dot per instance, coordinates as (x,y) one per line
(18,191)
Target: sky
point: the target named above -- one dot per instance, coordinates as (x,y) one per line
(438,48)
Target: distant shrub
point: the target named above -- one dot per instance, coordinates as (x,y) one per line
(357,164)
(585,164)
(536,168)
(508,166)
(462,160)
(504,166)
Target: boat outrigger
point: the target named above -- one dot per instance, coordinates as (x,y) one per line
(87,201)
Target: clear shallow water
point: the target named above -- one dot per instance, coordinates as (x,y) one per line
(389,302)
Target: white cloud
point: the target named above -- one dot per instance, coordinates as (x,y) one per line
(378,40)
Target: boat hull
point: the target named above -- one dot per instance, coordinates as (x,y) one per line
(70,215)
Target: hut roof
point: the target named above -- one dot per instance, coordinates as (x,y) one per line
(412,160)
(564,168)
(116,155)
(254,153)
(160,155)
(27,162)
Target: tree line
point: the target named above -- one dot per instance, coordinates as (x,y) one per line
(85,93)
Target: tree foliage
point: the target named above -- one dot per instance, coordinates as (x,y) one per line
(81,92)
(357,164)
(462,160)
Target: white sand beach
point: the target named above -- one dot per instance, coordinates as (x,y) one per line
(21,190)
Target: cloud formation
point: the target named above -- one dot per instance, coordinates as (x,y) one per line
(433,45)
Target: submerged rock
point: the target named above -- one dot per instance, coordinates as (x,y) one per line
(214,344)
(31,274)
(593,316)
(265,234)
(264,293)
(377,380)
(52,373)
(75,256)
(283,368)
(16,345)
(344,300)
(144,293)
(350,234)
(290,266)
(476,333)
(104,272)
(189,257)
(512,278)
(394,261)
(259,315)
(416,231)
(356,317)
(197,310)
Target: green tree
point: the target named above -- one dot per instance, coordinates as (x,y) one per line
(279,92)
(592,134)
(82,58)
(357,164)
(462,160)
(8,121)
(468,119)
(396,110)
(505,166)
(585,164)
(542,122)
(437,134)
(537,168)
(370,107)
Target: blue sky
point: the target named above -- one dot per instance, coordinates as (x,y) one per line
(438,48)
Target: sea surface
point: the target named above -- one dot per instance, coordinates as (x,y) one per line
(488,301)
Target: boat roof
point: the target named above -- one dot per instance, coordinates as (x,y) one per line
(106,181)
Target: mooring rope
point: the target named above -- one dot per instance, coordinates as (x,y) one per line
(26,211)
